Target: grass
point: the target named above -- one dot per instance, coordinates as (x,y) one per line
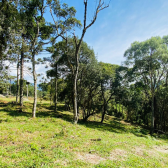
(52,140)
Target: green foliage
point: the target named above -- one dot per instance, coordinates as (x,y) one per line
(30,88)
(8,26)
(147,62)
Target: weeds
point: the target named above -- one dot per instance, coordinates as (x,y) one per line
(53,141)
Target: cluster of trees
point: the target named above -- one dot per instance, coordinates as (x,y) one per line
(24,31)
(136,91)
(147,64)
(97,83)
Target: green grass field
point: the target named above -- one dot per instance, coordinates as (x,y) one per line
(52,140)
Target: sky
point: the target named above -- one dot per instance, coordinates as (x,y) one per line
(124,22)
(117,26)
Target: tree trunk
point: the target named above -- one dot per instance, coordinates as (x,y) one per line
(10,88)
(127,113)
(35,88)
(104,107)
(17,92)
(152,116)
(21,78)
(27,91)
(75,98)
(104,112)
(50,91)
(55,109)
(7,90)
(99,7)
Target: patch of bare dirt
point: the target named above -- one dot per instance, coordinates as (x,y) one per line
(61,162)
(2,96)
(162,149)
(125,123)
(25,99)
(28,135)
(139,150)
(118,154)
(91,158)
(153,151)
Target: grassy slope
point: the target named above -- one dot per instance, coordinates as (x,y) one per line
(51,140)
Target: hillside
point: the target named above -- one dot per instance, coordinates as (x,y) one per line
(51,140)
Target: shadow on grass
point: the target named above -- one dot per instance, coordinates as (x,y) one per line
(45,110)
(111,127)
(3,105)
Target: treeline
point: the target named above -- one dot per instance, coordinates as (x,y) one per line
(135,91)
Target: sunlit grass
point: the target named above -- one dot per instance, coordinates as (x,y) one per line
(52,140)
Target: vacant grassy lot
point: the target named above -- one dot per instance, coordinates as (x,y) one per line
(51,140)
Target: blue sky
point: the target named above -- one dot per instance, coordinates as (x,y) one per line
(116,27)
(122,23)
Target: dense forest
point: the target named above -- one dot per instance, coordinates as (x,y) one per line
(136,91)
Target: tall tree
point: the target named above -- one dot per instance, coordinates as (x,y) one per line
(72,22)
(36,30)
(99,7)
(8,22)
(149,64)
(108,85)
(64,20)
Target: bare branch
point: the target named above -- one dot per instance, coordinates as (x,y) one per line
(75,37)
(56,24)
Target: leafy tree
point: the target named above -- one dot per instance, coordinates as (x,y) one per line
(30,88)
(8,26)
(36,33)
(73,21)
(99,7)
(148,61)
(107,84)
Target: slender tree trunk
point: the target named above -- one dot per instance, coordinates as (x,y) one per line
(152,116)
(104,104)
(55,110)
(21,78)
(50,91)
(75,98)
(78,44)
(7,90)
(104,112)
(35,88)
(127,113)
(122,111)
(10,88)
(17,92)
(27,91)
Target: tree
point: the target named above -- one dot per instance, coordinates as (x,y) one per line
(30,88)
(36,31)
(107,84)
(8,26)
(148,61)
(99,7)
(71,21)
(66,21)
